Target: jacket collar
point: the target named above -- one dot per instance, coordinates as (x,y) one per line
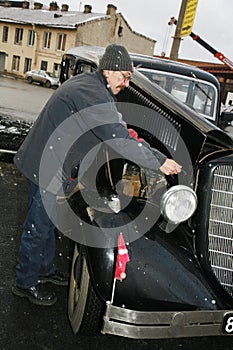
(102,78)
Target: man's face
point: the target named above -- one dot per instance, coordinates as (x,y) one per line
(117,80)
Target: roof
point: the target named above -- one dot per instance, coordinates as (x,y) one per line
(94,53)
(63,19)
(90,53)
(55,18)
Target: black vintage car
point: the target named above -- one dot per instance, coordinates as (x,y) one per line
(177,259)
(172,273)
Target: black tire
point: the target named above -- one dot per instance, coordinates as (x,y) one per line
(85,310)
(47,84)
(29,79)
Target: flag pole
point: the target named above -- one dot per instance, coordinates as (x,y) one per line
(113,290)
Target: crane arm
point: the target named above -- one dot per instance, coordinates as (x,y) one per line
(203,43)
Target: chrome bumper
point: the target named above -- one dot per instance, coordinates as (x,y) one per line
(164,324)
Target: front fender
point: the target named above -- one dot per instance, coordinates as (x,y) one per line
(159,276)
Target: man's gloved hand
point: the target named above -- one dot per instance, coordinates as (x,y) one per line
(134,135)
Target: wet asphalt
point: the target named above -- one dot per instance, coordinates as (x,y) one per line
(29,327)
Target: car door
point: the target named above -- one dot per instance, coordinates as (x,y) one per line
(41,77)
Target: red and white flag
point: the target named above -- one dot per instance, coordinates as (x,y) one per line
(122,259)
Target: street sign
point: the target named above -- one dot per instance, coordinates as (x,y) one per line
(188,20)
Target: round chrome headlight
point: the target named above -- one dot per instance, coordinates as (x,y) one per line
(178,204)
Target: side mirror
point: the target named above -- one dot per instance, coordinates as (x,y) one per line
(226,119)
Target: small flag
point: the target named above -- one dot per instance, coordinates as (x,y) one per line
(122,259)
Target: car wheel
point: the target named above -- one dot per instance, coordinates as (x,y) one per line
(29,79)
(47,84)
(85,310)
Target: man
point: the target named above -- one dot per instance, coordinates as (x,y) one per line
(83,105)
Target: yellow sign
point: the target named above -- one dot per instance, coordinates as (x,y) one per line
(189,15)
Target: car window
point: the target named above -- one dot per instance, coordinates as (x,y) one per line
(199,95)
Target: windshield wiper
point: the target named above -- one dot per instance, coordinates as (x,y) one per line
(200,88)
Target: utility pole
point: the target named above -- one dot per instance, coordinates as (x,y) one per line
(177,38)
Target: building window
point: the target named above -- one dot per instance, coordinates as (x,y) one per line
(120,31)
(47,40)
(15,63)
(61,42)
(5,34)
(18,36)
(44,65)
(27,64)
(31,37)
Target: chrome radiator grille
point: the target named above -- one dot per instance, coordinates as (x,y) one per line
(221,226)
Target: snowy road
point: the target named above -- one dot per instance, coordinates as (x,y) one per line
(21,100)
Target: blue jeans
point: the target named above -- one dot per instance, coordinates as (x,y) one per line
(37,248)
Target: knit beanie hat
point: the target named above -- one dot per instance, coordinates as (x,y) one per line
(116,58)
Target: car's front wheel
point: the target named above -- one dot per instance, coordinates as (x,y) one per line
(85,310)
(29,79)
(47,84)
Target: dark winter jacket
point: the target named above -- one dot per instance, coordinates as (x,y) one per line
(77,119)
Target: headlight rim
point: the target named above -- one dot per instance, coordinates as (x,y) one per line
(167,195)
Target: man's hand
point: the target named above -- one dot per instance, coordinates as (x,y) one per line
(170,167)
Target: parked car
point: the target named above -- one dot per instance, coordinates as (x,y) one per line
(195,87)
(42,77)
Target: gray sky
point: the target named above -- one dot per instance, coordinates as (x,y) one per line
(213,23)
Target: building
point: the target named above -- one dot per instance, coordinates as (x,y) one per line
(36,38)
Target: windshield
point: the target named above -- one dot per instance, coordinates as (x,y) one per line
(197,94)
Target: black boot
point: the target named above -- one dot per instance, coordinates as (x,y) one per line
(58,278)
(38,295)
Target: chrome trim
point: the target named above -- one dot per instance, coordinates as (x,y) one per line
(221,226)
(181,202)
(162,324)
(7,151)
